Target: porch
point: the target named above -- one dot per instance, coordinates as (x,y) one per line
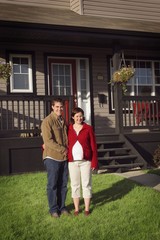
(21,116)
(140,113)
(20,135)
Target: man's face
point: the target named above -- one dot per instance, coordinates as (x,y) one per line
(58,108)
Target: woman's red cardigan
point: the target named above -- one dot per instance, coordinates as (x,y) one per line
(86,138)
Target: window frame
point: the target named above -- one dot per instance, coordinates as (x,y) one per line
(29,56)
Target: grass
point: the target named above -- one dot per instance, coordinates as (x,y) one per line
(154,171)
(121,210)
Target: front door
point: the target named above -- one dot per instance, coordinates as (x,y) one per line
(70,77)
(63,78)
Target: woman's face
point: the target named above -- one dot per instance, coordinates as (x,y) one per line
(78,118)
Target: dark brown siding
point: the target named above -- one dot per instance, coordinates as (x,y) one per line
(99,65)
(20,155)
(104,121)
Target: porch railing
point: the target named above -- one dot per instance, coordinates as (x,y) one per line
(23,114)
(141,112)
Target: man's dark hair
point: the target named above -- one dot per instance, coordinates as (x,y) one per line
(57,99)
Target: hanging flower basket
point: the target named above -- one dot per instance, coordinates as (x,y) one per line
(122,76)
(5,71)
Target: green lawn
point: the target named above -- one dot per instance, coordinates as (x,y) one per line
(121,210)
(154,171)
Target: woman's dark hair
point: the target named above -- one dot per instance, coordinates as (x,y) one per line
(76,110)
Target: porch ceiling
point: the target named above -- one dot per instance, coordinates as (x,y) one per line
(46,25)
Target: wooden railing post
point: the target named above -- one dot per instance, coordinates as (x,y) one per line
(118,97)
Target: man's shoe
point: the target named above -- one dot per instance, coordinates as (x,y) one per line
(55,215)
(65,213)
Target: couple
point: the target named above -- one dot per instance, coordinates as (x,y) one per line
(72,148)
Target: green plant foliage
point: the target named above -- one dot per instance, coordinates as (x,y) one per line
(156,156)
(122,76)
(5,71)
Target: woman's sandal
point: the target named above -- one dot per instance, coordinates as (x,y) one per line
(86,213)
(76,213)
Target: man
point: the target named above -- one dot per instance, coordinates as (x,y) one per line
(54,134)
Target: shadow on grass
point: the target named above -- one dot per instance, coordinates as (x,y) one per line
(117,191)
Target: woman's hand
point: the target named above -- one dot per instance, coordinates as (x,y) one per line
(94,170)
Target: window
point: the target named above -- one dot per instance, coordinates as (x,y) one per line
(146,81)
(65,75)
(21,80)
(61,79)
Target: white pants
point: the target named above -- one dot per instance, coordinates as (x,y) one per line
(80,173)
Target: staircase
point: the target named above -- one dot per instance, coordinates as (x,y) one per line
(116,153)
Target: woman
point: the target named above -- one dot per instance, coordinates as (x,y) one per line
(82,157)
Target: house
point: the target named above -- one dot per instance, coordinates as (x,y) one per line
(70,48)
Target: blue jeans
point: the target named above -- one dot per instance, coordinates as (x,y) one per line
(57,174)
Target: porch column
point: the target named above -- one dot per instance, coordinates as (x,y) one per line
(118,98)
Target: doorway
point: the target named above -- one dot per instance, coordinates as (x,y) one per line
(70,77)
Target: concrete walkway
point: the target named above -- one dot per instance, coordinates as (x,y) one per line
(146,179)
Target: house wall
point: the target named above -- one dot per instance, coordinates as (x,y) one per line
(103,121)
(124,9)
(44,3)
(19,155)
(98,65)
(130,9)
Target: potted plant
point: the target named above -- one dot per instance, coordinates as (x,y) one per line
(122,76)
(5,71)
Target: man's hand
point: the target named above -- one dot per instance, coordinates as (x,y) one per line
(66,152)
(43,146)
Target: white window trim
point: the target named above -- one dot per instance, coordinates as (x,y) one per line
(30,89)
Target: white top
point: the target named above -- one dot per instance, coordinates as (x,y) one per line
(77,151)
